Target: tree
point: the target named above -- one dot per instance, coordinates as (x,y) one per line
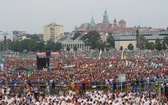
(58,46)
(110,40)
(164,46)
(101,45)
(15,46)
(68,48)
(142,42)
(92,39)
(75,48)
(150,45)
(33,36)
(158,44)
(24,45)
(40,46)
(77,34)
(32,45)
(50,45)
(121,48)
(130,46)
(165,40)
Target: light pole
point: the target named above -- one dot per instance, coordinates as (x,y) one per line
(137,38)
(5,44)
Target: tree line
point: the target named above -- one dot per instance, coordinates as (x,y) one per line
(35,46)
(146,44)
(92,39)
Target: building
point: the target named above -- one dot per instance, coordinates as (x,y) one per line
(12,35)
(103,27)
(6,35)
(18,35)
(123,35)
(53,31)
(125,38)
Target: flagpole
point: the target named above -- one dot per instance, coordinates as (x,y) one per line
(122,54)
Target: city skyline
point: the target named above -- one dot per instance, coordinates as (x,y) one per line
(30,16)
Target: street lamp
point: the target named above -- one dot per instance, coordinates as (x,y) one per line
(137,37)
(5,44)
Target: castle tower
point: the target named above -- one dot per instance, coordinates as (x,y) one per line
(115,23)
(92,22)
(122,23)
(105,17)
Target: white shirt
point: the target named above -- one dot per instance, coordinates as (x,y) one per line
(37,103)
(146,103)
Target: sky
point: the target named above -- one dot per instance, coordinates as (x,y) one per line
(31,15)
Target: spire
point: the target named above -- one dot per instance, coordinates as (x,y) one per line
(115,22)
(105,17)
(92,22)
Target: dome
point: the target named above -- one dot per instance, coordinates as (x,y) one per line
(122,21)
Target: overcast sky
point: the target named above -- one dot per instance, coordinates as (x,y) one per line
(31,15)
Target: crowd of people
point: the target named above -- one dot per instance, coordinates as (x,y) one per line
(95,97)
(142,78)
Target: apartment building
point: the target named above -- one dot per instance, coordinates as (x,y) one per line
(52,31)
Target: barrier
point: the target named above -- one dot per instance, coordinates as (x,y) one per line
(58,84)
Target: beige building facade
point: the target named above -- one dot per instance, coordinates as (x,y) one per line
(53,31)
(125,39)
(124,44)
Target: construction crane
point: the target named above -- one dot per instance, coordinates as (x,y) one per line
(5,44)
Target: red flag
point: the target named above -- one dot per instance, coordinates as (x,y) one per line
(112,60)
(142,57)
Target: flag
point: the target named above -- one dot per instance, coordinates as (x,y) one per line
(100,54)
(19,74)
(29,74)
(125,56)
(122,54)
(112,60)
(143,56)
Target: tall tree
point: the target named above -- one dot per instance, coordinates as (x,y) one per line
(58,46)
(40,46)
(50,45)
(130,46)
(25,44)
(110,40)
(164,46)
(75,48)
(68,48)
(15,46)
(150,45)
(35,37)
(121,48)
(142,42)
(158,44)
(32,45)
(92,39)
(165,40)
(101,45)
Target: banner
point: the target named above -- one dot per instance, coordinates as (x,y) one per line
(41,53)
(55,53)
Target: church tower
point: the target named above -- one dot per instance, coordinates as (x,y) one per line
(105,17)
(115,23)
(92,22)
